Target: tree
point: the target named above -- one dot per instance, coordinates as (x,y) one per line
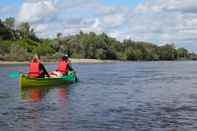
(59,35)
(18,53)
(83,45)
(167,52)
(182,53)
(24,28)
(9,22)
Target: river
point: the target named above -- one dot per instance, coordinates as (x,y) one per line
(130,96)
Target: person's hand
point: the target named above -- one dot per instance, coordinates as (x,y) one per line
(47,76)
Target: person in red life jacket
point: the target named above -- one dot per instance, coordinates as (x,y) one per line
(63,67)
(37,69)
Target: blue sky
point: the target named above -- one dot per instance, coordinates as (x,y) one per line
(157,21)
(10,2)
(129,3)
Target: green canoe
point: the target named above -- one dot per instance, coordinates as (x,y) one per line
(25,81)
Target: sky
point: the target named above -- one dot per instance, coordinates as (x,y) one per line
(156,21)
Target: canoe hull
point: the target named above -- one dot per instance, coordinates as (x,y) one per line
(25,81)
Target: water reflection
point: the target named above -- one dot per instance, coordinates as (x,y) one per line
(41,105)
(62,96)
(35,94)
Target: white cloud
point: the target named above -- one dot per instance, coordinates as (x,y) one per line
(36,11)
(70,17)
(188,6)
(172,21)
(158,21)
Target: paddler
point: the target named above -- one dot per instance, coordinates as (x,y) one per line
(64,66)
(37,69)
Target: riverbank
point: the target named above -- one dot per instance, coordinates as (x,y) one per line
(75,61)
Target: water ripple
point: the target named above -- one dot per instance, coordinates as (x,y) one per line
(133,96)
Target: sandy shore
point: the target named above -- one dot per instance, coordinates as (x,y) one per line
(77,61)
(91,61)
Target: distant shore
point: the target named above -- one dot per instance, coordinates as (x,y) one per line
(76,61)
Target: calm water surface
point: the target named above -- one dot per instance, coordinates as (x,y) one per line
(135,96)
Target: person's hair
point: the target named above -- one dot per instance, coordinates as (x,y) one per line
(36,58)
(64,58)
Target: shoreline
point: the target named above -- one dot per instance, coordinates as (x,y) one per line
(73,60)
(80,61)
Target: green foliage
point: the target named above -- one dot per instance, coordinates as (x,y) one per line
(167,52)
(6,34)
(4,47)
(43,49)
(18,53)
(9,22)
(25,29)
(21,43)
(182,53)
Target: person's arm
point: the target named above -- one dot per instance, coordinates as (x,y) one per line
(44,70)
(70,67)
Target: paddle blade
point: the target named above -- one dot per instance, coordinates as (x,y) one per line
(14,75)
(76,79)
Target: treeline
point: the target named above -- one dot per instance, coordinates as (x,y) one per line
(20,43)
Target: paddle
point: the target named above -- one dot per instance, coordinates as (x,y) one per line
(76,78)
(14,74)
(71,68)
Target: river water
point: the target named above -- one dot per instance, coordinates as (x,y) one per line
(133,96)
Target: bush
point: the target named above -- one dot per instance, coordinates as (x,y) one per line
(18,53)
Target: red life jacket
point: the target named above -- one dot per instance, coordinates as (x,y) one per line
(63,67)
(34,70)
